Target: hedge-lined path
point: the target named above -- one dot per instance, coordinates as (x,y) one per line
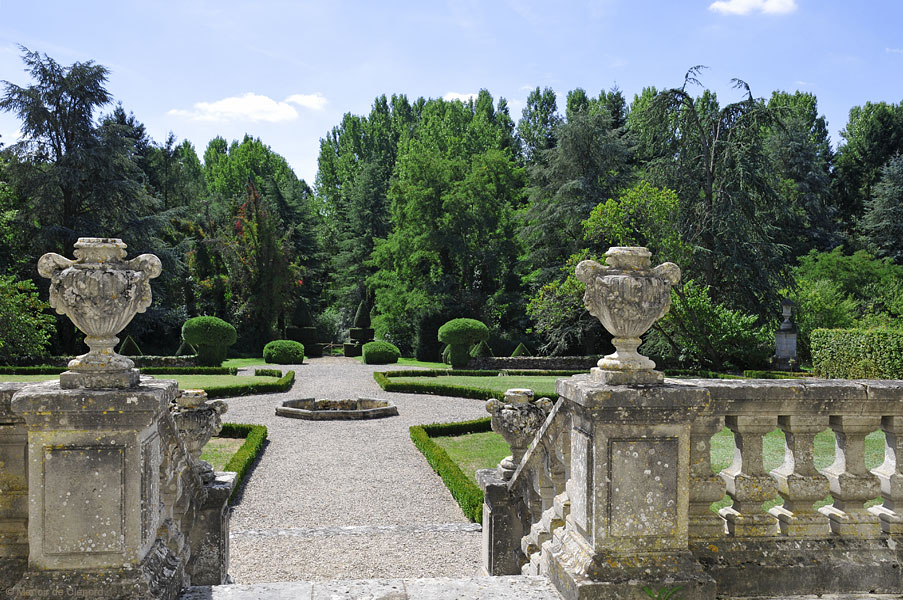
(348,499)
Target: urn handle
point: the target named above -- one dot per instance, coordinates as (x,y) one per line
(51,263)
(588,270)
(669,272)
(148,264)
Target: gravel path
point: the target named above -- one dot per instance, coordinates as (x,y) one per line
(348,499)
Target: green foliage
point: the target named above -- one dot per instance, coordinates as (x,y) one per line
(665,593)
(380,353)
(467,494)
(130,348)
(25,323)
(185,349)
(838,291)
(521,350)
(283,384)
(481,349)
(882,224)
(283,352)
(241,462)
(697,332)
(211,336)
(858,353)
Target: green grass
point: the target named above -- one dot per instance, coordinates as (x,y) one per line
(542,385)
(27,378)
(218,451)
(186,382)
(474,451)
(243,362)
(413,362)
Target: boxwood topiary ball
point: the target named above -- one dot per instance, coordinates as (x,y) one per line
(380,353)
(283,352)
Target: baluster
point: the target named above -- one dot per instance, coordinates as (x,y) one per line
(705,486)
(748,484)
(851,484)
(799,482)
(890,473)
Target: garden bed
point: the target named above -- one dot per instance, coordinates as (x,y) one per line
(242,457)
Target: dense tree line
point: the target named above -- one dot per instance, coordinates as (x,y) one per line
(432,209)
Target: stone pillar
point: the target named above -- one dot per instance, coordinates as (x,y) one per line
(13,490)
(210,534)
(629,492)
(502,530)
(94,492)
(890,473)
(705,486)
(748,484)
(798,481)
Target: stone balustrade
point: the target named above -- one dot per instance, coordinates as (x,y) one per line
(616,488)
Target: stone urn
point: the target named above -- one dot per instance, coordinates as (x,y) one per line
(198,421)
(517,419)
(627,296)
(101,292)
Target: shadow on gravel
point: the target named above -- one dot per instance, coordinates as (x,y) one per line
(239,495)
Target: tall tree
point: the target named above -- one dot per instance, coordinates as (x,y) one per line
(539,120)
(882,224)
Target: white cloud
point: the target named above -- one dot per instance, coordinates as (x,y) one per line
(894,50)
(312,101)
(252,107)
(456,96)
(248,107)
(744,7)
(802,83)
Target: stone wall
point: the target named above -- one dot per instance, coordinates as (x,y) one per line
(545,363)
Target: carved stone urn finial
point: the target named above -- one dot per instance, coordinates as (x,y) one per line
(627,296)
(101,292)
(198,421)
(517,419)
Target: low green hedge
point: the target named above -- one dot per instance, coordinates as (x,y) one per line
(283,384)
(241,461)
(751,374)
(284,352)
(857,353)
(189,371)
(42,370)
(267,373)
(384,380)
(465,492)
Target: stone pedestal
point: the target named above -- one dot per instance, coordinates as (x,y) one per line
(630,472)
(93,460)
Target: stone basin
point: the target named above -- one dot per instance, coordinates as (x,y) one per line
(349,409)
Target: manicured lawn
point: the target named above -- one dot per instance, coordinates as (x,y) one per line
(186,382)
(219,450)
(413,362)
(542,385)
(244,362)
(474,451)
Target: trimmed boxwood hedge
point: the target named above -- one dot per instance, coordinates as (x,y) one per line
(42,370)
(267,373)
(857,353)
(283,384)
(466,493)
(241,461)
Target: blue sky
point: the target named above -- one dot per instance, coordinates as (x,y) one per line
(286,71)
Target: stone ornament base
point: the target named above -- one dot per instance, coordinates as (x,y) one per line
(340,410)
(611,377)
(99,380)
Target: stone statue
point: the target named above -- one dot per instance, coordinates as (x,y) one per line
(517,419)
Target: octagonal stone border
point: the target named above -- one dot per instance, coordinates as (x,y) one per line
(312,409)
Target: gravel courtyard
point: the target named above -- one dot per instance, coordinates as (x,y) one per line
(348,499)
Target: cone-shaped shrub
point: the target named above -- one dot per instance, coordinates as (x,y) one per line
(480,350)
(460,335)
(130,348)
(362,316)
(283,352)
(211,336)
(380,353)
(521,350)
(185,349)
(445,354)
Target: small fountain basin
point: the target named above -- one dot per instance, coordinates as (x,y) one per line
(323,410)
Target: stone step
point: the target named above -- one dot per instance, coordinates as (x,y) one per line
(438,588)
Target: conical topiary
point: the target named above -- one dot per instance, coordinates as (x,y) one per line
(446,353)
(301,316)
(362,316)
(521,350)
(186,349)
(130,348)
(481,350)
